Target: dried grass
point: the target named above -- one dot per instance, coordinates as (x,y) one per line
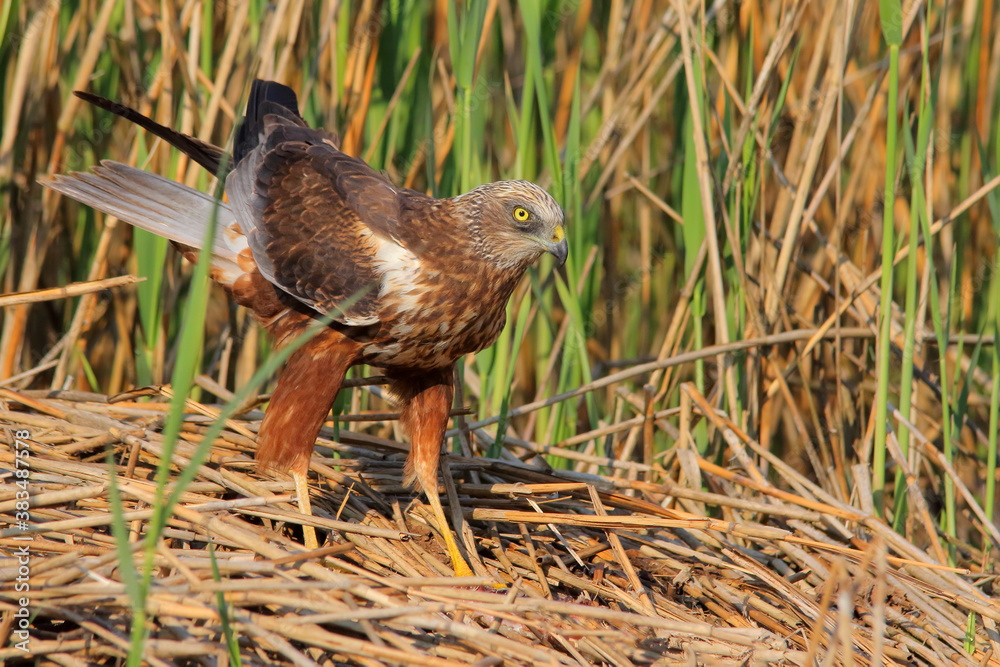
(574,568)
(765,548)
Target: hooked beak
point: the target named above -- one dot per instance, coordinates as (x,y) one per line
(558,247)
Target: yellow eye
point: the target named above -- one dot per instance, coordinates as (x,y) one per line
(521,214)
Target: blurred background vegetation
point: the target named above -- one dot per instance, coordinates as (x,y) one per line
(779,126)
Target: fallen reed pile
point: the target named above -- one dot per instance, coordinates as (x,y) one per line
(573,567)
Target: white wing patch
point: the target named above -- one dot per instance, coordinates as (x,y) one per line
(400,271)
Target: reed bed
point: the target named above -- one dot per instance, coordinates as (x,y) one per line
(714,565)
(754,420)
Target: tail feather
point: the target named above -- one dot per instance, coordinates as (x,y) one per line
(158,205)
(170,209)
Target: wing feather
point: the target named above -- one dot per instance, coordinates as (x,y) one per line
(319,223)
(304,238)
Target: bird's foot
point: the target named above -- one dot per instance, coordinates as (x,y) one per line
(458,563)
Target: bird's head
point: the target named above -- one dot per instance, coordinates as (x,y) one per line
(514,222)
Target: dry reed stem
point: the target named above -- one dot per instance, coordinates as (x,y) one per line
(745,553)
(67,292)
(654,576)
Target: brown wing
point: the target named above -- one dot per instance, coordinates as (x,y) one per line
(318,248)
(316,218)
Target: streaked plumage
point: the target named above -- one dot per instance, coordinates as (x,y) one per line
(307,227)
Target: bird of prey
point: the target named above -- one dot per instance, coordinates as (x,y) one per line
(306,228)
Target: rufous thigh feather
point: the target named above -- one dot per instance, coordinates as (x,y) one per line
(425,406)
(301,402)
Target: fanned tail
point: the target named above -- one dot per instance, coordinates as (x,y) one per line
(158,205)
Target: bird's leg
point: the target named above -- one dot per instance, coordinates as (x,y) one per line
(425,408)
(299,405)
(461,568)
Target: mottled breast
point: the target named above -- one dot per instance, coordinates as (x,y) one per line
(432,313)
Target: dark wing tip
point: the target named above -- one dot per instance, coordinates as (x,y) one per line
(271,91)
(205,154)
(266,97)
(104,103)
